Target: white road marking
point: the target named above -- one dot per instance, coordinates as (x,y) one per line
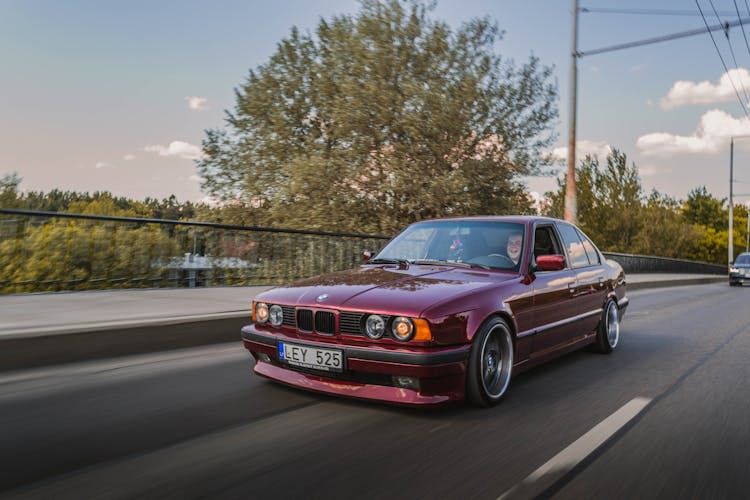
(559,465)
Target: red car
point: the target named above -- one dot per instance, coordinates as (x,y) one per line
(449,309)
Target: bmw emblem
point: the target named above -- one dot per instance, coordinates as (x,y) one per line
(322,298)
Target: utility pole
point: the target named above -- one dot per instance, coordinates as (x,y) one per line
(570,185)
(730,250)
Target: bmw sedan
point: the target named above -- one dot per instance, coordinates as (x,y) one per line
(449,310)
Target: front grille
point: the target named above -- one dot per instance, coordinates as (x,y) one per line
(305,320)
(350,322)
(325,322)
(288,316)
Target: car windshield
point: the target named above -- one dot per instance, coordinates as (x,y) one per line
(483,244)
(743,259)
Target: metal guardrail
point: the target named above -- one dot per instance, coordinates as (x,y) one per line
(52,251)
(638,264)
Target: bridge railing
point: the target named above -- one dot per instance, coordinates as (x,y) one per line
(51,251)
(650,264)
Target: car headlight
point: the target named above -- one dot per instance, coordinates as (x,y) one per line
(374,326)
(261,312)
(276,315)
(733,270)
(402,328)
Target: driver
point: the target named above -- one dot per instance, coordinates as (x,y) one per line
(513,248)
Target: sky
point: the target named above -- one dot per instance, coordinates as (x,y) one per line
(101,95)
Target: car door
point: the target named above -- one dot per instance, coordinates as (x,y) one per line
(553,306)
(587,295)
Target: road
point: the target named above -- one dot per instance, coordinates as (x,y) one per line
(196,423)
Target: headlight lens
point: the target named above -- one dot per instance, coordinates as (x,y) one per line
(261,312)
(734,270)
(402,328)
(374,326)
(276,315)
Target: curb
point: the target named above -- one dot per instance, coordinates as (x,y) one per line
(676,282)
(44,350)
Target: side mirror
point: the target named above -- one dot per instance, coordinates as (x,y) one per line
(366,256)
(550,262)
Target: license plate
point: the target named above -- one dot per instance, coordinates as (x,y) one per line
(330,360)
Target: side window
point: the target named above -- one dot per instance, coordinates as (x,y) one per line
(573,245)
(545,242)
(591,252)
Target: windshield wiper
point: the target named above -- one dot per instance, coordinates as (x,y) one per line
(450,263)
(401,262)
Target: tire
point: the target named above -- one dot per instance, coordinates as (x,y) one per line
(490,363)
(608,332)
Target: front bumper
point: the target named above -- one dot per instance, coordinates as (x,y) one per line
(369,371)
(739,278)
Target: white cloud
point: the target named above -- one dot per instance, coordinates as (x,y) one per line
(650,170)
(104,164)
(684,93)
(128,157)
(197,103)
(179,149)
(599,149)
(712,135)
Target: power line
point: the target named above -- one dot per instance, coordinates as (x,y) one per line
(665,38)
(744,35)
(654,12)
(731,51)
(744,108)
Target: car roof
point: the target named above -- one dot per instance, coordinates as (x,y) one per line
(523,219)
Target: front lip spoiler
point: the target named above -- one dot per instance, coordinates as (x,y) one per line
(408,358)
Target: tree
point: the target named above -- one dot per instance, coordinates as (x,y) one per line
(664,231)
(381,119)
(702,208)
(609,201)
(9,190)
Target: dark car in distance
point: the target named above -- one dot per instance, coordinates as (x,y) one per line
(450,309)
(739,271)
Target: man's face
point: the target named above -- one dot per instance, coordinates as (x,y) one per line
(514,247)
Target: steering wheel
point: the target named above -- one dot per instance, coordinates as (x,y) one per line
(505,260)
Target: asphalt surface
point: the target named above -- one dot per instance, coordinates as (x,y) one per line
(196,423)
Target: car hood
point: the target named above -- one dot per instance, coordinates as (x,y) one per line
(384,289)
(741,266)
